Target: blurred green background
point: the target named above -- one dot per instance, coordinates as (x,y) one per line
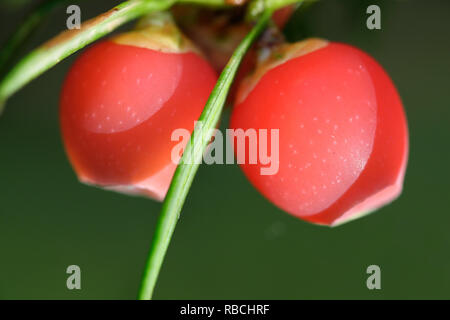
(230,242)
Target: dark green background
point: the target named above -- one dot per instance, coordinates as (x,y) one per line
(230,242)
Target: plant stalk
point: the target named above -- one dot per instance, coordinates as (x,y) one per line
(68,42)
(189,163)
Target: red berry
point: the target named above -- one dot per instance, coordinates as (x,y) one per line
(343,140)
(120,103)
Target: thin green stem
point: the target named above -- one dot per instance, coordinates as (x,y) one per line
(68,42)
(210,3)
(185,172)
(256,7)
(277,4)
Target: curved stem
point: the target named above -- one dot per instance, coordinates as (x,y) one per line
(256,7)
(185,172)
(210,3)
(277,4)
(68,42)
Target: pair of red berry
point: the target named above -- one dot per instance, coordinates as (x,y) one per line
(343,140)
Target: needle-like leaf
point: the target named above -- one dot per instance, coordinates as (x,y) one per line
(189,163)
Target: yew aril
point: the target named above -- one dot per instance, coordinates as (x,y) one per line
(343,134)
(120,103)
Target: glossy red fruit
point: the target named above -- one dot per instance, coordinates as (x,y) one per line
(120,103)
(343,140)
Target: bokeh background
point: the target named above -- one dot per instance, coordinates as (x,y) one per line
(231,243)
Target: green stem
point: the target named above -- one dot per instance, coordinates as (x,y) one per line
(185,172)
(277,4)
(68,42)
(210,3)
(256,7)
